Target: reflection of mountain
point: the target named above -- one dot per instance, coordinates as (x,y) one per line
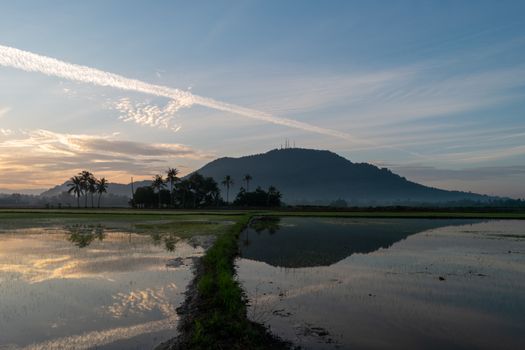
(306,242)
(113,188)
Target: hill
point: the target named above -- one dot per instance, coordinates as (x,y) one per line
(113,188)
(307,176)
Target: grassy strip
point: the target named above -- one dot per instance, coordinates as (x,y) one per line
(403,214)
(218,319)
(113,213)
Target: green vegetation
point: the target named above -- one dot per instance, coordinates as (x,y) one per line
(227,182)
(180,224)
(520,215)
(258,198)
(218,317)
(196,191)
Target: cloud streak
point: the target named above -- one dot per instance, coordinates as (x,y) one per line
(42,157)
(30,62)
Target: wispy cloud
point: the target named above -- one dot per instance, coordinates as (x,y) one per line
(144,113)
(42,157)
(4,111)
(6,132)
(27,61)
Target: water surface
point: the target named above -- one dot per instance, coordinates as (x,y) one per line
(387,283)
(84,287)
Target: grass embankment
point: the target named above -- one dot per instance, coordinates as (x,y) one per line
(215,315)
(402,214)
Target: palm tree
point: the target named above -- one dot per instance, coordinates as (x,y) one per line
(158,184)
(171,177)
(274,196)
(183,187)
(92,187)
(86,177)
(76,186)
(247,178)
(228,181)
(101,187)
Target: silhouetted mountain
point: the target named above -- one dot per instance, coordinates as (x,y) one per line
(306,176)
(32,191)
(113,188)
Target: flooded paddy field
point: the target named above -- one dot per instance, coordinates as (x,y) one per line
(329,283)
(79,283)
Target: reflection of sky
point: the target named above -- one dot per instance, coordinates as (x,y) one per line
(67,297)
(394,295)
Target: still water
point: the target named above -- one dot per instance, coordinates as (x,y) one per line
(387,283)
(85,287)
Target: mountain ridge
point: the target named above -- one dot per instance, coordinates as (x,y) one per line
(309,176)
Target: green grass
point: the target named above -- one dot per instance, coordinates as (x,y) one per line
(156,223)
(405,214)
(221,321)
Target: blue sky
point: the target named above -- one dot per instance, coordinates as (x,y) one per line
(433,90)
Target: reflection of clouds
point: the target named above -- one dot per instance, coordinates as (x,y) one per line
(73,298)
(38,270)
(141,301)
(100,338)
(41,257)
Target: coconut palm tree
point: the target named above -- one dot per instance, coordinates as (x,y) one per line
(227,182)
(183,188)
(86,177)
(92,187)
(171,177)
(274,196)
(76,186)
(101,187)
(158,184)
(247,178)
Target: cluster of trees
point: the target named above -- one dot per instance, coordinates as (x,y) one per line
(84,184)
(259,197)
(198,191)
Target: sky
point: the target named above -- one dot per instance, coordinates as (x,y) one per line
(433,90)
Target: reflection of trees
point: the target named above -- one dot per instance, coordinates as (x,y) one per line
(83,235)
(169,240)
(266,223)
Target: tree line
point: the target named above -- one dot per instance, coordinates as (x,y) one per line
(198,191)
(84,184)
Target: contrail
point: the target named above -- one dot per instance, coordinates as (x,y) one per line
(30,62)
